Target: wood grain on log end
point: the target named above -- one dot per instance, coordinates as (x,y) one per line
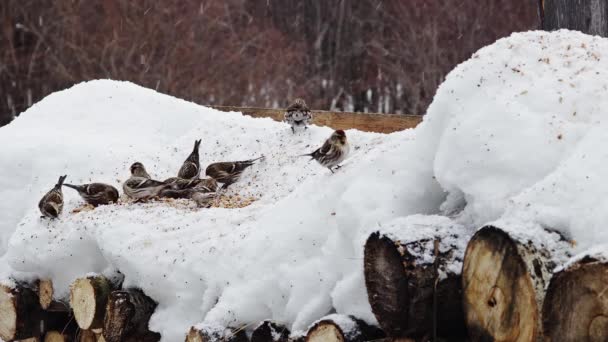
(269,331)
(20,313)
(576,304)
(88,299)
(503,281)
(86,336)
(325,332)
(55,336)
(332,328)
(45,293)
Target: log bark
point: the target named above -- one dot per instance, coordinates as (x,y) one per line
(587,16)
(407,295)
(269,331)
(127,314)
(576,304)
(20,313)
(503,281)
(88,299)
(341,328)
(202,334)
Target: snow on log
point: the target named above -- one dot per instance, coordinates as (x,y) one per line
(504,276)
(342,328)
(269,331)
(56,336)
(88,299)
(413,284)
(20,313)
(576,303)
(211,333)
(127,314)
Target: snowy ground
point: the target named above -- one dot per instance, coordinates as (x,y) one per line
(516,134)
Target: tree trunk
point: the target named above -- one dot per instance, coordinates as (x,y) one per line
(587,16)
(407,295)
(341,328)
(88,299)
(20,313)
(503,280)
(269,331)
(576,305)
(127,314)
(205,334)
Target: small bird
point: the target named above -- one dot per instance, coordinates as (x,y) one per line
(185,188)
(51,203)
(333,152)
(96,193)
(140,186)
(229,172)
(298,115)
(191,167)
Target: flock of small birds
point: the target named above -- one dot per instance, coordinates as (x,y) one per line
(188,184)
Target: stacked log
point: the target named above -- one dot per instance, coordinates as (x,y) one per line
(88,300)
(203,333)
(127,315)
(503,278)
(414,287)
(342,328)
(20,313)
(269,331)
(576,303)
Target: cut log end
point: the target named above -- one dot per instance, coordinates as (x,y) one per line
(86,336)
(500,299)
(228,335)
(269,331)
(55,336)
(8,319)
(341,328)
(576,305)
(325,332)
(45,293)
(88,298)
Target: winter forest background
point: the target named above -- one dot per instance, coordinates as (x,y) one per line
(365,55)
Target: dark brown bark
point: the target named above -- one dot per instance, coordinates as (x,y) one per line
(503,283)
(576,305)
(20,313)
(205,335)
(127,315)
(269,331)
(406,295)
(330,330)
(587,16)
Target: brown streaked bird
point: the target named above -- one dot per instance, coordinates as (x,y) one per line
(51,203)
(191,167)
(229,172)
(298,115)
(96,193)
(186,188)
(140,186)
(333,152)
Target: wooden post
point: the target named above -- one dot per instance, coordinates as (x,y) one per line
(587,16)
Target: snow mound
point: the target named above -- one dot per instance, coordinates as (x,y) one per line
(514,134)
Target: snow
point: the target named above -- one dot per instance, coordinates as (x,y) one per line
(515,136)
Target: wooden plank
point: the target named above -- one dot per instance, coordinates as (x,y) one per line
(369,122)
(587,16)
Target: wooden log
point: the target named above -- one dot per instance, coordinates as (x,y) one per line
(61,321)
(587,16)
(576,303)
(269,331)
(56,336)
(410,295)
(503,277)
(342,328)
(88,299)
(20,313)
(212,334)
(127,314)
(45,292)
(86,336)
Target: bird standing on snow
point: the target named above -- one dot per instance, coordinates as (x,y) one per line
(298,115)
(51,203)
(140,186)
(333,152)
(191,167)
(229,172)
(185,188)
(96,193)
